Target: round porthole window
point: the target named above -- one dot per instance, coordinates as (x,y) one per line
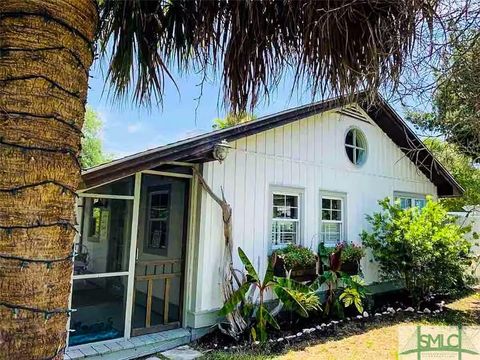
(356,146)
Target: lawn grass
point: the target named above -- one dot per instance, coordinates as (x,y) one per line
(376,340)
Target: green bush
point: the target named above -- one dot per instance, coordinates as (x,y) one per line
(424,248)
(296,257)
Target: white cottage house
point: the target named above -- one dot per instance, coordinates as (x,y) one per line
(150,241)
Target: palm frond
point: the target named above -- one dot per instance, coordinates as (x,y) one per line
(331,46)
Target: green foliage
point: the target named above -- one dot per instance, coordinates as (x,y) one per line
(232,119)
(293,296)
(350,252)
(354,292)
(92,147)
(343,290)
(424,248)
(455,112)
(462,168)
(296,257)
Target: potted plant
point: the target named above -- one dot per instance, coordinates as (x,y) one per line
(297,262)
(351,255)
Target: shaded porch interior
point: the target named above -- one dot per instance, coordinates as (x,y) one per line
(103,266)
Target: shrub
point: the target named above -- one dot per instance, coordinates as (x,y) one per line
(296,257)
(424,248)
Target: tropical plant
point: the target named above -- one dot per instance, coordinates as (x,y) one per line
(342,290)
(296,256)
(46,50)
(424,248)
(292,295)
(354,292)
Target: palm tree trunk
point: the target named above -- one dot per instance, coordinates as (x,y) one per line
(45,54)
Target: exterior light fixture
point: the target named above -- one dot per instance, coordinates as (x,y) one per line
(220,151)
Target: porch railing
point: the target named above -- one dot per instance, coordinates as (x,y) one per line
(157,270)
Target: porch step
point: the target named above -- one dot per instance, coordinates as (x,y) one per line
(182,353)
(133,348)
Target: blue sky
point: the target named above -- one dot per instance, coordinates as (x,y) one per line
(129,128)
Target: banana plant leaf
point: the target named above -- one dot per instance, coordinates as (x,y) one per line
(252,275)
(237,297)
(268,278)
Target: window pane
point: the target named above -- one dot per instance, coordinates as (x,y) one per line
(104,241)
(420,203)
(284,232)
(159,203)
(100,305)
(405,203)
(331,233)
(349,151)
(119,187)
(337,204)
(291,201)
(279,211)
(158,235)
(360,156)
(326,215)
(278,199)
(349,138)
(336,215)
(326,203)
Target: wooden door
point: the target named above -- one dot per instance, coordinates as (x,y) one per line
(160,254)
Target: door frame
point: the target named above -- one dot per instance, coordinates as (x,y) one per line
(188,235)
(191,233)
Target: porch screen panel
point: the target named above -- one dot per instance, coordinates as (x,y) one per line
(103,245)
(101,265)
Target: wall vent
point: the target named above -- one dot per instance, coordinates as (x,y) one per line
(353,111)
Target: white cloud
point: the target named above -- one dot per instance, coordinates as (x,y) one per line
(133,128)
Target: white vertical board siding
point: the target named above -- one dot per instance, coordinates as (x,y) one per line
(308,155)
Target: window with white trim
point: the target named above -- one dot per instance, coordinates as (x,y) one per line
(285,219)
(411,201)
(332,216)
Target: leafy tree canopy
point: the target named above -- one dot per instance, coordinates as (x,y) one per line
(462,168)
(232,119)
(456,104)
(92,146)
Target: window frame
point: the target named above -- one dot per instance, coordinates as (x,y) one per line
(286,191)
(355,147)
(413,197)
(333,195)
(151,191)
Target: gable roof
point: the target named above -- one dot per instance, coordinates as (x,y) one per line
(198,149)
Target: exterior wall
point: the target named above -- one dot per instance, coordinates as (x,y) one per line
(309,155)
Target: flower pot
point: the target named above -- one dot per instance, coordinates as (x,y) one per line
(297,274)
(350,267)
